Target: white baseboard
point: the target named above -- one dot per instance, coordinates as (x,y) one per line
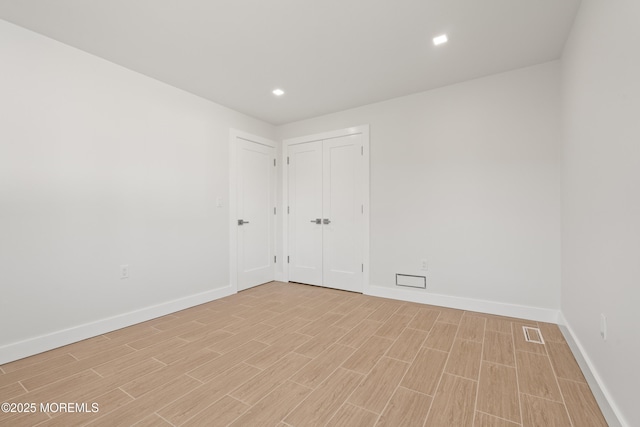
(29,347)
(491,307)
(609,409)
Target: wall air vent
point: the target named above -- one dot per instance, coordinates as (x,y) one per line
(411,281)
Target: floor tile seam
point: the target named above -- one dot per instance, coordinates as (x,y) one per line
(190,376)
(193,415)
(273,364)
(436,349)
(200,381)
(565,378)
(182,369)
(474,313)
(27,375)
(220,373)
(574,381)
(41,423)
(418,330)
(435,393)
(302,385)
(350,345)
(346,402)
(474,341)
(533,352)
(515,362)
(499,417)
(122,390)
(393,343)
(395,389)
(393,394)
(546,340)
(39,389)
(510,334)
(403,361)
(241,330)
(414,391)
(232,421)
(544,398)
(461,377)
(499,364)
(475,404)
(257,367)
(168,403)
(161,417)
(317,387)
(357,372)
(486,329)
(350,329)
(446,322)
(311,359)
(348,398)
(168,381)
(555,377)
(95,372)
(390,315)
(465,339)
(154,358)
(390,338)
(239,399)
(423,340)
(178,323)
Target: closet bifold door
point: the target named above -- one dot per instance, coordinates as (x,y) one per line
(305,213)
(325,220)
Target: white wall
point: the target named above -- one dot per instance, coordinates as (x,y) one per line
(601,194)
(101,166)
(468,177)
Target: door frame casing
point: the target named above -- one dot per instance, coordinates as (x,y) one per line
(364,131)
(234,135)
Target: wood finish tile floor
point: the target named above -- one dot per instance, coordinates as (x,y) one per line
(285,354)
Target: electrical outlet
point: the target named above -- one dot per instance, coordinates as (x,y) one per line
(423,264)
(124,271)
(603,326)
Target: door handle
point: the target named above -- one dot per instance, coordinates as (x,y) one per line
(242,222)
(317,221)
(326,221)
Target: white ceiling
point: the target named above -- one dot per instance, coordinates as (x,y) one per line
(328,55)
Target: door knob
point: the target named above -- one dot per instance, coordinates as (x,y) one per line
(242,222)
(317,221)
(326,221)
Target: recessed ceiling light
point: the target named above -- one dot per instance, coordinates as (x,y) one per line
(278,92)
(440,40)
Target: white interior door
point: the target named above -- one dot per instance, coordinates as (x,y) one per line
(255,211)
(326,215)
(342,213)
(305,213)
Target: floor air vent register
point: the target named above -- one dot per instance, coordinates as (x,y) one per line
(532,335)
